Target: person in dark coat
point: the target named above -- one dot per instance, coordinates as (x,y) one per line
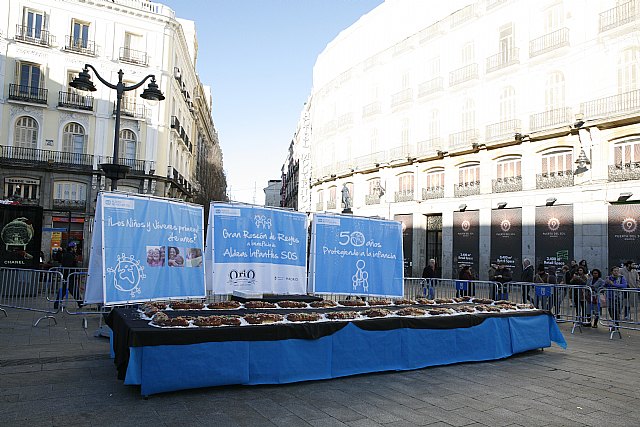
(429,271)
(527,271)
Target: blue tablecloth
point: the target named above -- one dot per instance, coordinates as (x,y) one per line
(349,351)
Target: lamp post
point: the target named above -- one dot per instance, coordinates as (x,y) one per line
(114,170)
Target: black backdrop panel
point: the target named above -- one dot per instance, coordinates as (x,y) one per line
(506,239)
(466,240)
(554,235)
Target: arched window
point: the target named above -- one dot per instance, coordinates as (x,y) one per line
(433,184)
(73,138)
(127,149)
(469,175)
(508,175)
(331,203)
(26,133)
(554,91)
(629,70)
(405,187)
(507,104)
(375,192)
(557,162)
(320,202)
(70,191)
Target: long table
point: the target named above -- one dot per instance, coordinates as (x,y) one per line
(168,359)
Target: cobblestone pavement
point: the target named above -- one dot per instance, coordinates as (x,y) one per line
(62,375)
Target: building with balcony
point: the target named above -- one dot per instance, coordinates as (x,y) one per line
(482,107)
(54,138)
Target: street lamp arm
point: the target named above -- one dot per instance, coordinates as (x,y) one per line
(137,85)
(104,82)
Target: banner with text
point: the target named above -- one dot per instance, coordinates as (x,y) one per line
(506,239)
(146,248)
(466,241)
(256,249)
(359,256)
(554,235)
(624,235)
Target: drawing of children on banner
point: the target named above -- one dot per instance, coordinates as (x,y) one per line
(175,259)
(155,256)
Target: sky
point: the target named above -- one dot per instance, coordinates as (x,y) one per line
(258,58)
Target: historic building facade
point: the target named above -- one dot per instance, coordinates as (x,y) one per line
(53,138)
(475,123)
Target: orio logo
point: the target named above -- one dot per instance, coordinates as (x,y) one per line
(629,225)
(242,277)
(505,225)
(553,224)
(466,225)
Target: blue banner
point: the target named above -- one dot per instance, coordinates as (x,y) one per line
(152,248)
(359,256)
(257,249)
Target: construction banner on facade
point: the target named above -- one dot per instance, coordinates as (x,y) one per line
(466,241)
(554,235)
(506,239)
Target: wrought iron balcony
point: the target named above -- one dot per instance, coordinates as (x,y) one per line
(431,32)
(507,184)
(624,172)
(175,124)
(466,189)
(554,179)
(344,120)
(503,59)
(502,130)
(549,119)
(36,157)
(133,56)
(619,15)
(462,15)
(79,45)
(432,193)
(372,199)
(28,94)
(464,74)
(30,202)
(319,206)
(431,86)
(331,204)
(628,102)
(369,160)
(25,33)
(371,109)
(430,146)
(403,196)
(129,108)
(65,204)
(74,100)
(402,97)
(463,139)
(549,42)
(495,3)
(137,166)
(401,152)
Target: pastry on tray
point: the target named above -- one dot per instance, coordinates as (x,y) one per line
(303,317)
(259,304)
(263,318)
(292,304)
(224,305)
(183,305)
(341,315)
(352,303)
(411,311)
(325,303)
(376,312)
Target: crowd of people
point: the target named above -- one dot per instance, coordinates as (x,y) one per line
(587,305)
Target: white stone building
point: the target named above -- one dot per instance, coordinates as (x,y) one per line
(53,138)
(427,110)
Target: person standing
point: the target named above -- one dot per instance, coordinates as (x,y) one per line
(527,271)
(429,273)
(502,276)
(614,300)
(595,282)
(631,276)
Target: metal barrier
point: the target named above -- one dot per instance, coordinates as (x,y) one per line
(448,288)
(33,290)
(72,294)
(619,309)
(568,303)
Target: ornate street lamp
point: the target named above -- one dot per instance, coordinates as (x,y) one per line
(114,170)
